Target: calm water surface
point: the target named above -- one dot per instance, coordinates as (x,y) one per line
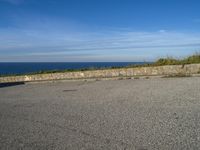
(23,68)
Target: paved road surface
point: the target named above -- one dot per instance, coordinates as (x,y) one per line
(136,114)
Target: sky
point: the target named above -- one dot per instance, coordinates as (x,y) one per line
(98,30)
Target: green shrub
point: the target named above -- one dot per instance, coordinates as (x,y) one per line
(171,61)
(166,61)
(192,59)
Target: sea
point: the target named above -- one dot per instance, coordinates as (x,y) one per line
(32,67)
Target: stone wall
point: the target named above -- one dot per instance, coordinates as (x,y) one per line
(108,73)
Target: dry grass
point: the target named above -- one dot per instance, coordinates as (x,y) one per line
(177,75)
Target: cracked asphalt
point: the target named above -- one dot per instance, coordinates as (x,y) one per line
(143,114)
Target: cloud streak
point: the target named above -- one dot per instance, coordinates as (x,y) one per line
(55,40)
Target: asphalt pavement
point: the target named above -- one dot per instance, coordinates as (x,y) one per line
(141,114)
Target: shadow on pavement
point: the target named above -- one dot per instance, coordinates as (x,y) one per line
(3,85)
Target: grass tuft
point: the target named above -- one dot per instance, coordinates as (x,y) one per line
(194,59)
(177,75)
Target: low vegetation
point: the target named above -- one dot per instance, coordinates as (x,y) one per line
(193,59)
(188,60)
(177,75)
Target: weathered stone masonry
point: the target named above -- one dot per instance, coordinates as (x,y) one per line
(108,73)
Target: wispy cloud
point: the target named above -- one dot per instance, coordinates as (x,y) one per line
(55,40)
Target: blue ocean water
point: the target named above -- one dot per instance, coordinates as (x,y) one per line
(23,68)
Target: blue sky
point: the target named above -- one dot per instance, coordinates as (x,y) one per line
(97,30)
